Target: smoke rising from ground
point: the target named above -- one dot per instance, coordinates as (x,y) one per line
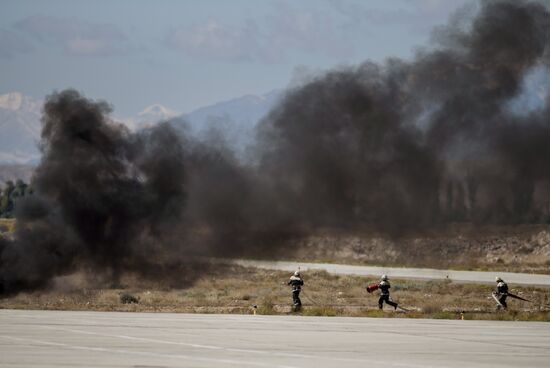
(411,144)
(396,147)
(104,197)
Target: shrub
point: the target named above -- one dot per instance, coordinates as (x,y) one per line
(126,298)
(266,307)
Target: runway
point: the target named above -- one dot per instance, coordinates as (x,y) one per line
(113,339)
(484,277)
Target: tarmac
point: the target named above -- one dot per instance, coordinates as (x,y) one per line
(146,340)
(483,277)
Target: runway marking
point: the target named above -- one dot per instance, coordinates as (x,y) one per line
(382,329)
(260,352)
(475,341)
(311,325)
(143,353)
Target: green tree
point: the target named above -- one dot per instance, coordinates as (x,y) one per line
(18,192)
(6,203)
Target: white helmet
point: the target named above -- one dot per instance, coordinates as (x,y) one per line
(297,273)
(384,278)
(498,279)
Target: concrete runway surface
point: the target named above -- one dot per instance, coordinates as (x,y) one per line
(114,339)
(400,272)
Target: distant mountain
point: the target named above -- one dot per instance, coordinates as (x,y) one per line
(236,118)
(19,128)
(244,111)
(20,122)
(151,115)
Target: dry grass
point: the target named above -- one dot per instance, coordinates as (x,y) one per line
(233,289)
(512,248)
(520,248)
(7,226)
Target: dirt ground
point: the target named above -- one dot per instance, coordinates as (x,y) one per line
(234,289)
(461,246)
(518,248)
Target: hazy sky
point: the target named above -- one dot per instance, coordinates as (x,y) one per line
(186,54)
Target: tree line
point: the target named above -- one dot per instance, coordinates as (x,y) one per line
(10,194)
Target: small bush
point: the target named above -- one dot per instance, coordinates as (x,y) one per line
(127,298)
(266,307)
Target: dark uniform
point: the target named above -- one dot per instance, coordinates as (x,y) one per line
(296,282)
(384,287)
(502,293)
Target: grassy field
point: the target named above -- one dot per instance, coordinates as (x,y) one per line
(7,225)
(512,248)
(234,289)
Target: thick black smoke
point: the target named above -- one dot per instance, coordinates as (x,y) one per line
(406,145)
(343,155)
(105,198)
(395,147)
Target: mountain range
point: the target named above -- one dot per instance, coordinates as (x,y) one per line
(20,122)
(19,128)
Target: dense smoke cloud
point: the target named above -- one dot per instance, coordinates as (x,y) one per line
(395,147)
(409,144)
(104,197)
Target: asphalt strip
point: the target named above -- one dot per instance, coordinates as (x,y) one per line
(484,277)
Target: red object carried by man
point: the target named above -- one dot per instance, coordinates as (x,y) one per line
(372,287)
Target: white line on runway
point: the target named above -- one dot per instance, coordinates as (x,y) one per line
(213,347)
(145,353)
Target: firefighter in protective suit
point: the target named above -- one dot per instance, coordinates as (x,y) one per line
(296,282)
(384,287)
(501,292)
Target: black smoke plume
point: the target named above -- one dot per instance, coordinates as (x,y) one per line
(405,145)
(104,197)
(397,147)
